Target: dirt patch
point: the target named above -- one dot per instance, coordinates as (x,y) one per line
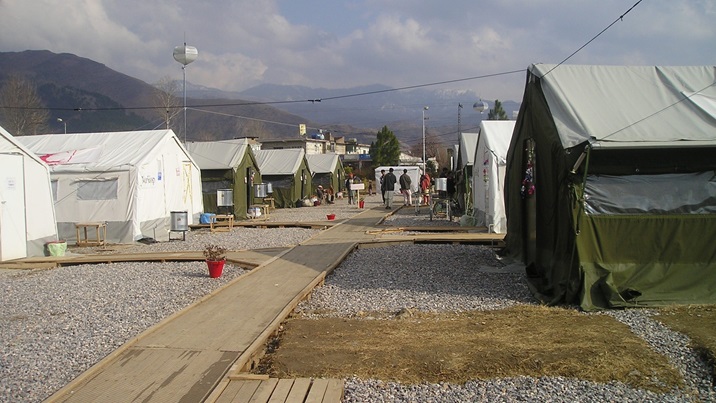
(415,347)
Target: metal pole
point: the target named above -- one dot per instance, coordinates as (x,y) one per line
(424,160)
(459,107)
(183,69)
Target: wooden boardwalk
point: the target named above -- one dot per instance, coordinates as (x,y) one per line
(187,357)
(299,390)
(202,353)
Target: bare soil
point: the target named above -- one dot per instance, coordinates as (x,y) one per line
(415,347)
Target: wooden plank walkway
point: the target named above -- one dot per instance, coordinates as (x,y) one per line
(299,390)
(200,354)
(187,357)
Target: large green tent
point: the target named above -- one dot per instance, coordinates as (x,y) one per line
(226,164)
(287,172)
(327,170)
(610,187)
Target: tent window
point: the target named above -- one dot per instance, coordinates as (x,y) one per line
(651,194)
(53,185)
(210,187)
(104,189)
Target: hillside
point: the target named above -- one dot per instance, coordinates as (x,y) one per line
(90,97)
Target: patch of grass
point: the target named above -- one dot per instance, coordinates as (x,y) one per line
(457,347)
(696,321)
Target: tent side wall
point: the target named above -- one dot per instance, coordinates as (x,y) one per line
(488,185)
(41,222)
(624,268)
(167,181)
(539,225)
(94,197)
(211,181)
(243,185)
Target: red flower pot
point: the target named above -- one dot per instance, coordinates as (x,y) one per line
(216,267)
(361,204)
(331,216)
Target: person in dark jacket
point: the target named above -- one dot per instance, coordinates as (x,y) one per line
(389,180)
(405,183)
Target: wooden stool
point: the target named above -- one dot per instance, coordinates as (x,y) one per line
(100,231)
(270,202)
(227,222)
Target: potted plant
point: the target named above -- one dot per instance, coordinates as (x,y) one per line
(215,258)
(361,202)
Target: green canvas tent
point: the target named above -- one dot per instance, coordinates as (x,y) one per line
(226,164)
(287,172)
(327,170)
(610,187)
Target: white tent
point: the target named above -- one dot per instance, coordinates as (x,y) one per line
(463,171)
(132,181)
(27,215)
(488,179)
(466,150)
(413,172)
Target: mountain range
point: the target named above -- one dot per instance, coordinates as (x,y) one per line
(90,97)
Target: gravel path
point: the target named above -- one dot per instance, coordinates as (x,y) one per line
(57,323)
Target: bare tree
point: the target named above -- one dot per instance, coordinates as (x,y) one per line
(252,128)
(22,110)
(433,145)
(166,96)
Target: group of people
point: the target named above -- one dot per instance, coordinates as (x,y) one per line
(326,195)
(389,180)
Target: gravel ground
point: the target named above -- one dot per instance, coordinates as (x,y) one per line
(439,278)
(57,323)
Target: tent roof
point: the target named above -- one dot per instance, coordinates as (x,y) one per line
(495,135)
(224,154)
(630,104)
(279,162)
(322,163)
(13,145)
(468,144)
(97,151)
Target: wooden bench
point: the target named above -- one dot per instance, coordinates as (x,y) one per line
(222,222)
(82,233)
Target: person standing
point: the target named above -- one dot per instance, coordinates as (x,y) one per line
(389,180)
(382,184)
(349,182)
(405,188)
(425,188)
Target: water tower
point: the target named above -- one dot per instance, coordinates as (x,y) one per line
(185,55)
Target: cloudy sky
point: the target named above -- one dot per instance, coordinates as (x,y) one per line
(346,43)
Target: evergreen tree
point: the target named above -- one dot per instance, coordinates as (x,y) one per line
(386,149)
(497,113)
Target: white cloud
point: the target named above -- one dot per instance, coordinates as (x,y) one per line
(358,42)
